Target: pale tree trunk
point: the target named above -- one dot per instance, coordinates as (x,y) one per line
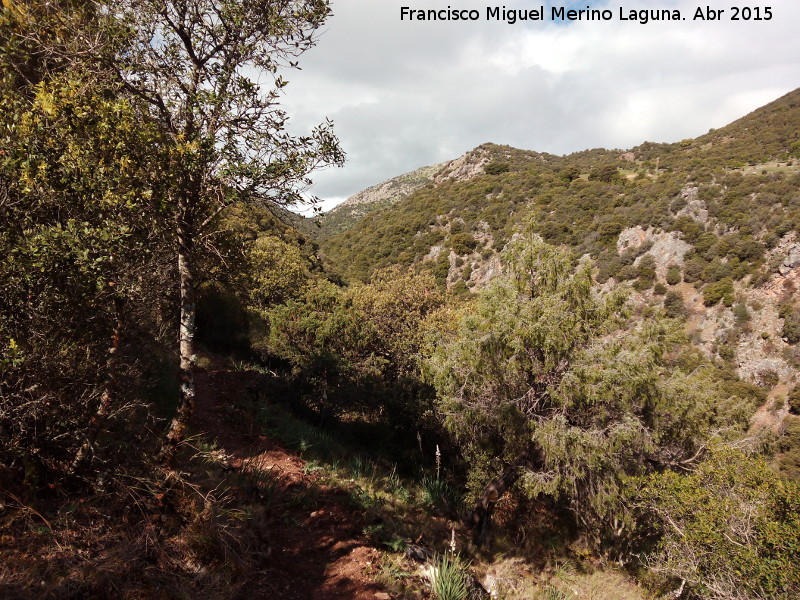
(186,398)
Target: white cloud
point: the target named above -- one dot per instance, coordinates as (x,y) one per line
(404,95)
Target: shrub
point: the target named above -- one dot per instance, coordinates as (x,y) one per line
(448,577)
(740,313)
(627,273)
(693,270)
(726,352)
(496,168)
(791,327)
(794,399)
(608,265)
(719,290)
(463,243)
(606,174)
(674,275)
(673,304)
(730,528)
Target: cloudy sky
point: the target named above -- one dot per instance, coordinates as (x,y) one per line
(407,94)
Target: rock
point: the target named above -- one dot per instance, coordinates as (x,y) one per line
(633,237)
(668,249)
(485,271)
(433,253)
(792,260)
(382,596)
(464,168)
(418,553)
(695,207)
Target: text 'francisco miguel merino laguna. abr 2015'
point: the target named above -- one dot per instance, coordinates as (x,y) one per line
(562,14)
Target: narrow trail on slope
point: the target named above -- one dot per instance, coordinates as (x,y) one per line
(316,548)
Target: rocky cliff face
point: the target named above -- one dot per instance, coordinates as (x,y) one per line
(667,248)
(394,190)
(761,356)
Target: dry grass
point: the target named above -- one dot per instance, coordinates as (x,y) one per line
(514,579)
(137,539)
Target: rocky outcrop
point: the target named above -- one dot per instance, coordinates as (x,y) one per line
(633,238)
(792,260)
(484,271)
(465,167)
(394,189)
(695,207)
(667,248)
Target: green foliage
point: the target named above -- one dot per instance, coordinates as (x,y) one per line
(322,336)
(396,302)
(448,577)
(463,242)
(605,173)
(674,276)
(794,399)
(81,261)
(278,271)
(496,168)
(788,459)
(740,313)
(571,173)
(791,326)
(357,348)
(545,373)
(645,272)
(719,290)
(731,528)
(437,492)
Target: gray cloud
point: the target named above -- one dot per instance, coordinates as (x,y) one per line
(404,95)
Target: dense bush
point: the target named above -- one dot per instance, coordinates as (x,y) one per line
(674,276)
(533,376)
(719,290)
(791,326)
(730,529)
(463,243)
(794,399)
(673,304)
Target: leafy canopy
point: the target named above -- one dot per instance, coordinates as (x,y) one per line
(546,373)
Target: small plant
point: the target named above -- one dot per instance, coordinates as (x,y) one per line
(448,577)
(435,491)
(395,544)
(553,593)
(262,480)
(359,467)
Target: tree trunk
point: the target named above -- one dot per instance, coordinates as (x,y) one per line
(186,397)
(480,519)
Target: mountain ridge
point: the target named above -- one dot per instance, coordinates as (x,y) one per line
(733,144)
(705,227)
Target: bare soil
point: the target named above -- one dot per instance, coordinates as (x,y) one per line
(316,550)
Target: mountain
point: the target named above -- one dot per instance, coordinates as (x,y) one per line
(706,227)
(373,198)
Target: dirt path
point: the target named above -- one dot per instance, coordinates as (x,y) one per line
(317,550)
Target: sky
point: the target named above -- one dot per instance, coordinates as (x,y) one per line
(406,94)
